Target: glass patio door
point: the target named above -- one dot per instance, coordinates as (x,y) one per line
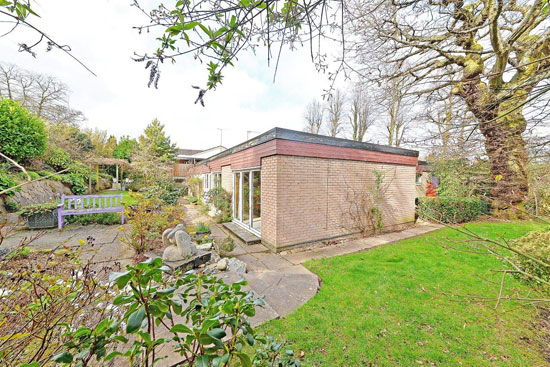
(247,200)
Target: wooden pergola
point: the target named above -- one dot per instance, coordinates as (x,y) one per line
(101,161)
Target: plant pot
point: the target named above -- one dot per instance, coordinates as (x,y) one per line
(202,233)
(43,220)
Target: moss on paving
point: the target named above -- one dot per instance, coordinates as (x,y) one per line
(391,306)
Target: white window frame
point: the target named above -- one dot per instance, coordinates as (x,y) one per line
(206,182)
(247,226)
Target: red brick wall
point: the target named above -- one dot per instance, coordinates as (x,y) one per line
(252,156)
(308,199)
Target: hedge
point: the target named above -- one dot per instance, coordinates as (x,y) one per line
(534,245)
(452,209)
(22,134)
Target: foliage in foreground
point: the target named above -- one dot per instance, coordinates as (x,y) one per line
(56,309)
(205,318)
(532,257)
(42,294)
(452,209)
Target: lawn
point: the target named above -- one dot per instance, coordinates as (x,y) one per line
(128,197)
(388,307)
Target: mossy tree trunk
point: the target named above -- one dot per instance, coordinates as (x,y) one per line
(507,154)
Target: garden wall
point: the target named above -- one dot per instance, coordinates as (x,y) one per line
(39,192)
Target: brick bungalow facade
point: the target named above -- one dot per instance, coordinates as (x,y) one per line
(291,187)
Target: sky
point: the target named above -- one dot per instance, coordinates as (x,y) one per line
(118,100)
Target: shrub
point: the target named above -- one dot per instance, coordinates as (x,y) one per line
(23,176)
(534,256)
(221,200)
(194,185)
(148,219)
(462,177)
(33,175)
(30,210)
(7,181)
(168,193)
(44,173)
(22,134)
(11,206)
(364,204)
(98,218)
(76,182)
(57,158)
(452,210)
(204,320)
(227,245)
(202,227)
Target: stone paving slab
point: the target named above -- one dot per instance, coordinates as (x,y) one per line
(283,291)
(244,235)
(52,238)
(300,257)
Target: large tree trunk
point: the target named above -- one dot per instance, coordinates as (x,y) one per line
(507,154)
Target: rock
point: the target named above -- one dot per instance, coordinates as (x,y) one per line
(236,265)
(171,253)
(193,262)
(205,246)
(222,264)
(185,244)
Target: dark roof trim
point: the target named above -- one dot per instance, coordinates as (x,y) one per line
(300,136)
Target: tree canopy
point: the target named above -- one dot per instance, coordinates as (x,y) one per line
(155,141)
(22,134)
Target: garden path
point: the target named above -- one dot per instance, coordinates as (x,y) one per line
(281,278)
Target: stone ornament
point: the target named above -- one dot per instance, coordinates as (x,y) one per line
(180,246)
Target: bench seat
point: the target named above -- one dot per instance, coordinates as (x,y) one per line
(89,204)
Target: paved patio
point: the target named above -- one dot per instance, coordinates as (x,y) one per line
(349,247)
(281,278)
(106,248)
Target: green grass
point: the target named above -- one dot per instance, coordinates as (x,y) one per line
(128,197)
(387,307)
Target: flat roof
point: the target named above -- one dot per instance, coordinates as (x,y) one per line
(300,136)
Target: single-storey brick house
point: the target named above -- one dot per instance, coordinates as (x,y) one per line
(291,187)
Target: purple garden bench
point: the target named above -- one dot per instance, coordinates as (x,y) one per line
(89,204)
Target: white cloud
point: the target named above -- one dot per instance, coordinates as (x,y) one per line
(100,34)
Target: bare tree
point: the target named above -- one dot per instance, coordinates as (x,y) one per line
(361,114)
(335,111)
(450,127)
(493,55)
(313,117)
(8,80)
(396,104)
(43,95)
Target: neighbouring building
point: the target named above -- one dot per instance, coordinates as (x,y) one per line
(426,183)
(186,158)
(290,188)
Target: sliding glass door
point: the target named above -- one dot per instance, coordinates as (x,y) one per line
(247,200)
